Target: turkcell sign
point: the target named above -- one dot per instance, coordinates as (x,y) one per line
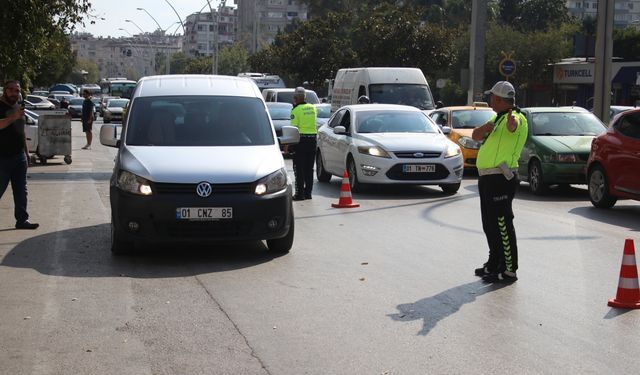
(582,73)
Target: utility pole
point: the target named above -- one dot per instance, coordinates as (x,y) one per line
(604,55)
(477,50)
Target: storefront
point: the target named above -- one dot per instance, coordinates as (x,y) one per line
(573,83)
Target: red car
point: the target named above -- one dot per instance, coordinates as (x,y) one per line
(613,169)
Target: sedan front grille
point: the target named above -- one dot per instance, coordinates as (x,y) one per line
(417,154)
(164,188)
(396,173)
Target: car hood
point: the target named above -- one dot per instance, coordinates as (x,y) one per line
(114,109)
(463,132)
(76,106)
(406,141)
(278,124)
(185,165)
(566,143)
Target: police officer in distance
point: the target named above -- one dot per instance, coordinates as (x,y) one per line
(497,162)
(303,116)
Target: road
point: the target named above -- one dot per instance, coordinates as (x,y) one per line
(387,288)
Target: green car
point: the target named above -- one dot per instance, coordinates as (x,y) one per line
(557,147)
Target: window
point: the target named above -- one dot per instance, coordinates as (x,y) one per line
(394,122)
(629,125)
(336,119)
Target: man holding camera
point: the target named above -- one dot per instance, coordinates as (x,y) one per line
(14,155)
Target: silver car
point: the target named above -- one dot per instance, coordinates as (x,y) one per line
(199,161)
(387,144)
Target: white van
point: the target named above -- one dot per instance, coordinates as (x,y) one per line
(199,161)
(406,86)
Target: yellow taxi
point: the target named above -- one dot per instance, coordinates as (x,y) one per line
(462,120)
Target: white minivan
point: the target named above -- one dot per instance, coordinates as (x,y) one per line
(406,86)
(199,161)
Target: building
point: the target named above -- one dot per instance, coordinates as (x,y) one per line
(259,21)
(627,12)
(200,31)
(132,57)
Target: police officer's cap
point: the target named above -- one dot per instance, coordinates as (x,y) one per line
(300,91)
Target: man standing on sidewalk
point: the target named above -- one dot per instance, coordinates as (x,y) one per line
(14,155)
(503,139)
(87,118)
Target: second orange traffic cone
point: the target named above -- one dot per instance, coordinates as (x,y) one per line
(628,295)
(345,194)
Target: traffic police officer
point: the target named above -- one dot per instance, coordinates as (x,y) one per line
(303,116)
(503,139)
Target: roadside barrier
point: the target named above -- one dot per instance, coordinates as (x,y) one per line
(345,194)
(628,295)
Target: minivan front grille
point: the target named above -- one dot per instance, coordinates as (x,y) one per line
(165,188)
(206,229)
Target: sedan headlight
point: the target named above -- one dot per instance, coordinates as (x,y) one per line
(272,183)
(561,158)
(374,151)
(467,142)
(131,183)
(452,150)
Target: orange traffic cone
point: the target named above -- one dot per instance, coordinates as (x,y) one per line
(628,295)
(345,194)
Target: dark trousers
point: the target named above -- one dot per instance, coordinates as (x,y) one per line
(14,169)
(303,159)
(496,198)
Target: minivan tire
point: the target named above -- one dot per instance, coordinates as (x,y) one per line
(284,244)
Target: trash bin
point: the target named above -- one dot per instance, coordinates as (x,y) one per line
(54,136)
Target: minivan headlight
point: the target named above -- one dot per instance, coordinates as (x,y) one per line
(131,183)
(272,183)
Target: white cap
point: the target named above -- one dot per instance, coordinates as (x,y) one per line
(503,89)
(300,91)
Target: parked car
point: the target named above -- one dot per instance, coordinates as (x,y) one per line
(37,102)
(614,163)
(75,107)
(40,93)
(557,146)
(215,175)
(114,110)
(61,97)
(387,144)
(286,96)
(280,115)
(462,120)
(103,103)
(323,111)
(64,87)
(97,103)
(31,130)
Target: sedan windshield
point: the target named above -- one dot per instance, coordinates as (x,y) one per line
(198,121)
(76,101)
(394,122)
(280,112)
(470,119)
(324,110)
(117,103)
(565,123)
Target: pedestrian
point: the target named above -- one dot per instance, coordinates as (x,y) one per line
(87,117)
(303,116)
(14,154)
(497,161)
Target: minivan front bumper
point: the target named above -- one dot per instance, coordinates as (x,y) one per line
(152,219)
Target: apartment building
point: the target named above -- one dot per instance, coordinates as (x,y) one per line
(626,12)
(200,28)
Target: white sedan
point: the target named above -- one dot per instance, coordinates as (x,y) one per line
(387,144)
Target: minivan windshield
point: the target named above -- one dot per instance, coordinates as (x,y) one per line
(418,96)
(198,121)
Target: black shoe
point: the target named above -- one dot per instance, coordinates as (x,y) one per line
(298,198)
(482,271)
(27,225)
(308,196)
(500,278)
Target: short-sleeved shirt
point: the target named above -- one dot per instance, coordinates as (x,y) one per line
(11,137)
(303,116)
(87,110)
(501,145)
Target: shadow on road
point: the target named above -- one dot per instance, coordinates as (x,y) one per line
(433,309)
(85,252)
(380,192)
(622,216)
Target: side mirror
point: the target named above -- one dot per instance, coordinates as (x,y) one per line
(109,135)
(446,130)
(290,135)
(340,130)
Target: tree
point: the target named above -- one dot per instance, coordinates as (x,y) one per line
(56,62)
(233,60)
(38,21)
(626,43)
(90,67)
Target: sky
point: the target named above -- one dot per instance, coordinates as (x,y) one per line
(110,15)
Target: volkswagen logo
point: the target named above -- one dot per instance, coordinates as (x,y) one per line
(203,189)
(418,155)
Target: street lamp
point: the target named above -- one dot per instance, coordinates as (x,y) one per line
(184,31)
(153,18)
(148,40)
